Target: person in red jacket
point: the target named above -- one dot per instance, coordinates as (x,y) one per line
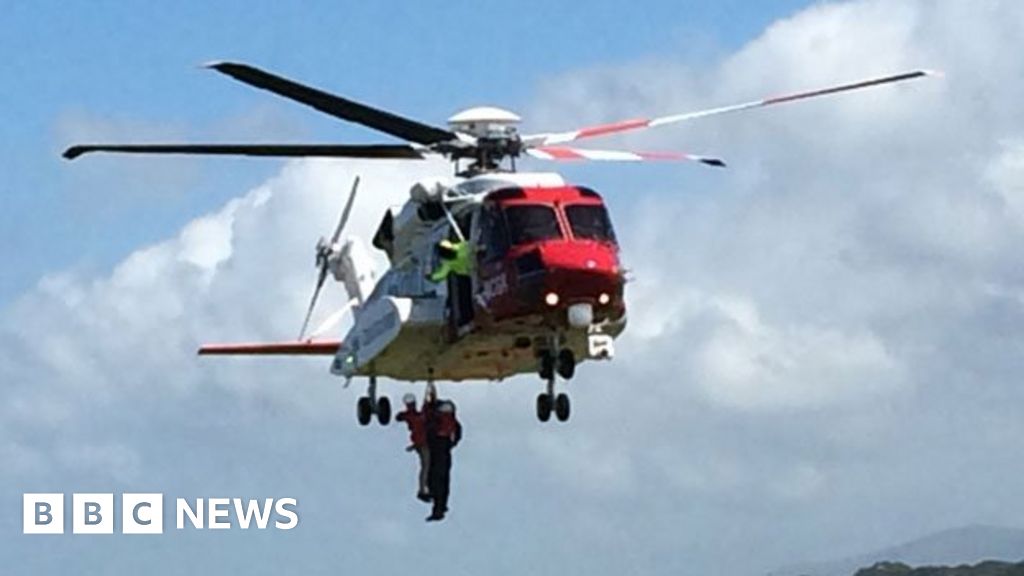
(443,433)
(416,422)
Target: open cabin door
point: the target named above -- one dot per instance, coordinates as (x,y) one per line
(460,287)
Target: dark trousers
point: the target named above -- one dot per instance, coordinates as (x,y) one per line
(440,474)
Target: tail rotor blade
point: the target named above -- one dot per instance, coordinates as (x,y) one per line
(345,213)
(332,320)
(312,301)
(324,250)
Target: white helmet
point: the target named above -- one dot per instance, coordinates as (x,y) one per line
(409,399)
(447,407)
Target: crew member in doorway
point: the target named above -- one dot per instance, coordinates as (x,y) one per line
(415,420)
(443,433)
(455,257)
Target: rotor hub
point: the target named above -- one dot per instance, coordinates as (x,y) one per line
(493,136)
(485,122)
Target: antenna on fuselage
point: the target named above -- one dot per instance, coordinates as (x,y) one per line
(451,220)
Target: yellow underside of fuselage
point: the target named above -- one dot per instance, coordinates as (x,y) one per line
(485,352)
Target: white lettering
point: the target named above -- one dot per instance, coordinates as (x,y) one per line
(218,508)
(143,513)
(253,510)
(196,516)
(291,515)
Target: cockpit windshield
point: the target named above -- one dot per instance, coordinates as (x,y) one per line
(590,222)
(531,223)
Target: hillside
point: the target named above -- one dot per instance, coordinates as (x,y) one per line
(955,547)
(988,568)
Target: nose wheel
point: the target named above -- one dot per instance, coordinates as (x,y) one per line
(562,363)
(370,405)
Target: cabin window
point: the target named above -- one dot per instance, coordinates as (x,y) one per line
(590,222)
(529,223)
(493,235)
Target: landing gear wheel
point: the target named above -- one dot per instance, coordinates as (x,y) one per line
(547,366)
(562,407)
(383,410)
(364,410)
(566,364)
(544,407)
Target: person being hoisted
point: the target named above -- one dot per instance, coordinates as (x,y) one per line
(416,421)
(444,432)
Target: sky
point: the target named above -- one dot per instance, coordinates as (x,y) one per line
(824,345)
(104,70)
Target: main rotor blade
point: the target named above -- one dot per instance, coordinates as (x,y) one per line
(400,151)
(640,123)
(336,106)
(345,212)
(565,154)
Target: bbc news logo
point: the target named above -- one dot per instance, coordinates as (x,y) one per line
(144,513)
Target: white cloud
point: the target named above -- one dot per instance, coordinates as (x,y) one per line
(1006,176)
(745,364)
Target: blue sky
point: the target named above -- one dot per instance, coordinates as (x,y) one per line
(138,66)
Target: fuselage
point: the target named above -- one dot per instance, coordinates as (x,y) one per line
(546,270)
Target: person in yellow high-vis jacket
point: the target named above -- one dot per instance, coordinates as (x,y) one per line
(456,258)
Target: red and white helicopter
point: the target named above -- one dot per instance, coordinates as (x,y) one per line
(546,288)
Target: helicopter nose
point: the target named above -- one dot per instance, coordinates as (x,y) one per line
(581,272)
(592,257)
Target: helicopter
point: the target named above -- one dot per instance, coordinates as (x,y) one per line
(545,290)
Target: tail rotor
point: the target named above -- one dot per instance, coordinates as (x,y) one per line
(326,251)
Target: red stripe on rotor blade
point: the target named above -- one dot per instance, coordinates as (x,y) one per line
(562,153)
(611,128)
